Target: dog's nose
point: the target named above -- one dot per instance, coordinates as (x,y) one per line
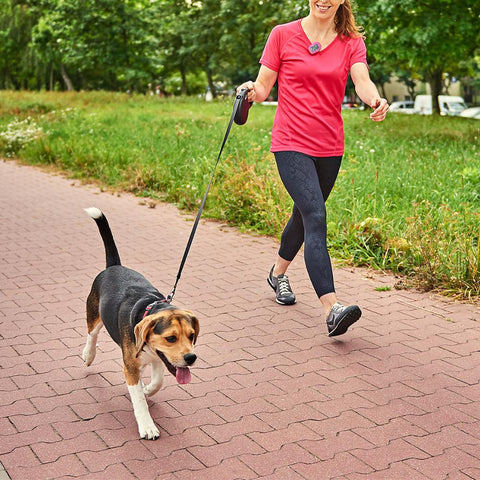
(190,358)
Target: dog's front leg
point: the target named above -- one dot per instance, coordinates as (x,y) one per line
(156,379)
(146,426)
(131,370)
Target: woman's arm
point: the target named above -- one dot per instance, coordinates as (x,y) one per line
(367,91)
(259,90)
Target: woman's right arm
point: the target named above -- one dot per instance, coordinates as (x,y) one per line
(259,90)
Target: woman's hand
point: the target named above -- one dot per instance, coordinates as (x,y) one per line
(380,106)
(250,86)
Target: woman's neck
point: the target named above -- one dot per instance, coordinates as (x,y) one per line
(318,30)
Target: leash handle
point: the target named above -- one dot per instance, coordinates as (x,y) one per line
(241,107)
(202,205)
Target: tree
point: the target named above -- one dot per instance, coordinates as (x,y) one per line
(408,79)
(429,37)
(97,44)
(247,24)
(120,44)
(176,44)
(18,66)
(206,29)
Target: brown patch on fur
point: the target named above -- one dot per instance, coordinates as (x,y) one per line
(131,364)
(195,324)
(93,315)
(143,330)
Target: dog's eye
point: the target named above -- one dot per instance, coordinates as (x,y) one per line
(192,337)
(171,339)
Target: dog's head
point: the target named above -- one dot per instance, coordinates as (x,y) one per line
(171,334)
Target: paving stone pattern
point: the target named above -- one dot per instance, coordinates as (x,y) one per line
(272,397)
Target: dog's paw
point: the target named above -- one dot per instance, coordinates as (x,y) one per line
(88,354)
(147,390)
(151,389)
(149,432)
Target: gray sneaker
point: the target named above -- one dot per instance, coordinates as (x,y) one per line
(283,291)
(341,318)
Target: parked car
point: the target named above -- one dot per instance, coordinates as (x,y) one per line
(449,104)
(405,106)
(473,112)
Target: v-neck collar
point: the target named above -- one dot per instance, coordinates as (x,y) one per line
(305,36)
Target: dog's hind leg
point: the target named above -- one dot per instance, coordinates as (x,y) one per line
(156,379)
(94,325)
(90,349)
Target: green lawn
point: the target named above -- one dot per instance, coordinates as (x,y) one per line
(407,198)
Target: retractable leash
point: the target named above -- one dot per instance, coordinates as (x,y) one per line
(239,115)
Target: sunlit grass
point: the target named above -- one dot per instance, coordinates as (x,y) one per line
(407,198)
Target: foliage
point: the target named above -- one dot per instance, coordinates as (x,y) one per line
(429,38)
(17,64)
(406,198)
(106,42)
(128,44)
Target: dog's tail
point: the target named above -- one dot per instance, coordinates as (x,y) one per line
(111,252)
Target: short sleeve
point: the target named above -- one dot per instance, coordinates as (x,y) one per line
(359,52)
(271,53)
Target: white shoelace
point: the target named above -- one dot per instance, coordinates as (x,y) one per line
(283,285)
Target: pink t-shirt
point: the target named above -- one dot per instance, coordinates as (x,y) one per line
(311,89)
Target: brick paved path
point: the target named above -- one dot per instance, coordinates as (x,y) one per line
(272,397)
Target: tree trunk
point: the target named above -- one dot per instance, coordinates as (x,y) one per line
(50,80)
(411,90)
(382,88)
(183,74)
(66,78)
(210,82)
(435,81)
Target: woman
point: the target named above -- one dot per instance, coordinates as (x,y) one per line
(311,58)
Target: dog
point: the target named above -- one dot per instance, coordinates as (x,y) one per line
(141,321)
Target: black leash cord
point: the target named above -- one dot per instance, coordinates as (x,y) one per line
(240,97)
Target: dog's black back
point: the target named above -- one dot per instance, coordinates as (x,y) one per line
(124,293)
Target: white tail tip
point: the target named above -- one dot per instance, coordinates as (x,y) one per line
(94,212)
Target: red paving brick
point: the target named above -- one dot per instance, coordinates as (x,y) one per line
(272,397)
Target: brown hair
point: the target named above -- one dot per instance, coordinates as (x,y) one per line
(345,24)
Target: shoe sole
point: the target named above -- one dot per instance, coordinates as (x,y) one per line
(275,290)
(346,322)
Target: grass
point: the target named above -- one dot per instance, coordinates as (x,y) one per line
(407,198)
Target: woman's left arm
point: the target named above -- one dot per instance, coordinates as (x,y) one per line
(367,91)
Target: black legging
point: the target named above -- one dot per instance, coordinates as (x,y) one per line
(309,181)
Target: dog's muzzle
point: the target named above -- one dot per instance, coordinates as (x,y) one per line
(182,374)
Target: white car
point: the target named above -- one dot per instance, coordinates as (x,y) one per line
(473,112)
(405,106)
(449,105)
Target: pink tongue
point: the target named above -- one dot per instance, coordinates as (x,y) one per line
(183,375)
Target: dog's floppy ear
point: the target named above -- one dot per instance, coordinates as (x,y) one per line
(142,330)
(195,324)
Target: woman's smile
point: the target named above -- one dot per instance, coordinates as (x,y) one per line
(325,7)
(321,7)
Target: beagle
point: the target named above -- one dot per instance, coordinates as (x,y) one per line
(140,320)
